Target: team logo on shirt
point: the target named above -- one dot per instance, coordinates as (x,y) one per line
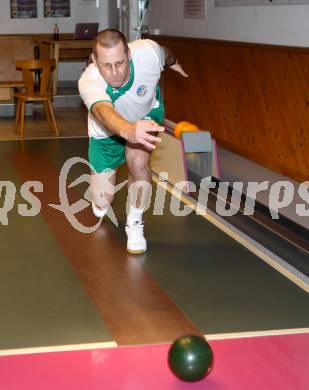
(141,90)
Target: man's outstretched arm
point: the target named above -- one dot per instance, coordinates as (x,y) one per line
(171,62)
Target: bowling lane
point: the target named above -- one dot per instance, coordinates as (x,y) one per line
(193,279)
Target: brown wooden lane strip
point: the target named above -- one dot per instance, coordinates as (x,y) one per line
(131,304)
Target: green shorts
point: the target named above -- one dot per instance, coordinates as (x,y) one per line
(109,153)
(106,153)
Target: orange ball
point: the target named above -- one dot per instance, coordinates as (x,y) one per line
(184,126)
(178,128)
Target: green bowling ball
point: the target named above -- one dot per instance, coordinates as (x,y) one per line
(190,358)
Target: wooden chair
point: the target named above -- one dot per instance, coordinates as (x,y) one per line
(29,67)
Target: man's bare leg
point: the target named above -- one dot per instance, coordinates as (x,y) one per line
(138,160)
(102,191)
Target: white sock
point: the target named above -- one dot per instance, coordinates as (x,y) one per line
(135,215)
(98,212)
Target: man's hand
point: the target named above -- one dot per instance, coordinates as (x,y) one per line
(141,133)
(178,68)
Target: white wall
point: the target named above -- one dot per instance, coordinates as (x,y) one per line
(46,25)
(283,25)
(67,71)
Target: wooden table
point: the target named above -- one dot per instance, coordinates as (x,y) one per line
(7,89)
(68,50)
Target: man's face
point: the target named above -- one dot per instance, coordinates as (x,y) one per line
(113,64)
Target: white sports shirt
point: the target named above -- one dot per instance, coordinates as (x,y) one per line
(136,98)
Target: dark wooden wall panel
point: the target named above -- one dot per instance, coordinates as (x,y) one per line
(253,98)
